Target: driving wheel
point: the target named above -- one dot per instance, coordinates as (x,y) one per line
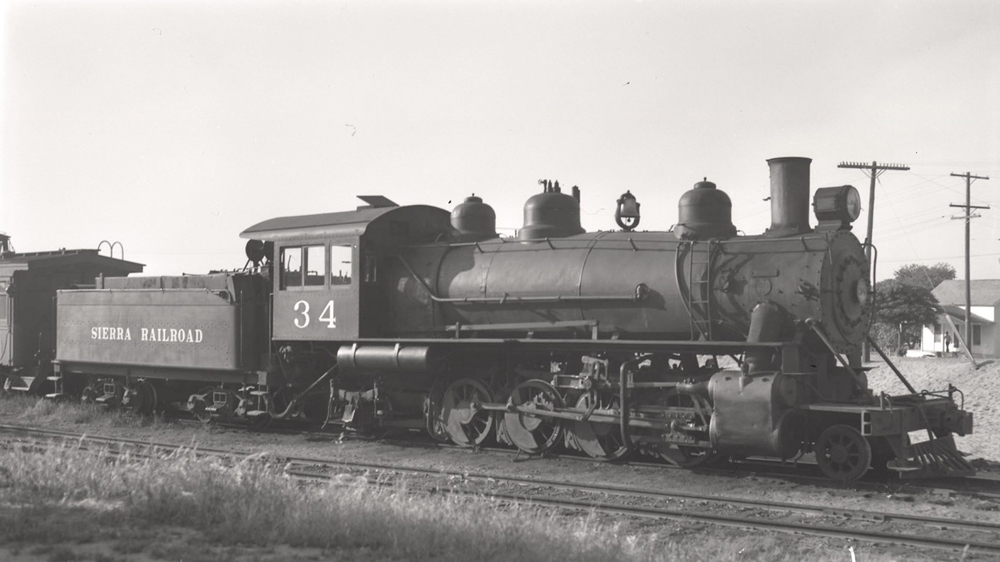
(466,423)
(600,440)
(529,432)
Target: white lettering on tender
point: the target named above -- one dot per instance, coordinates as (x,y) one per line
(165,335)
(110,333)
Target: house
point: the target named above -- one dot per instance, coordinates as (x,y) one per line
(985,306)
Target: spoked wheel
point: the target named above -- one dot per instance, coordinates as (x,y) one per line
(600,440)
(465,422)
(682,456)
(434,416)
(200,400)
(531,433)
(843,453)
(141,398)
(89,394)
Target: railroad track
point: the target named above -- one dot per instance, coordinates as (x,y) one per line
(814,520)
(985,486)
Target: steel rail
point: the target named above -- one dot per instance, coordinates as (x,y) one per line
(809,528)
(988,487)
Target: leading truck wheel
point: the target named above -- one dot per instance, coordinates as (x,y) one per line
(842,453)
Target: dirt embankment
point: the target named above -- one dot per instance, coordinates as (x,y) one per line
(981,388)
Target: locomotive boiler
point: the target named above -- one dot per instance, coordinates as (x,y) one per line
(608,343)
(697,282)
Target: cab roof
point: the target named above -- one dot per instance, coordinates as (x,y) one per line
(418,218)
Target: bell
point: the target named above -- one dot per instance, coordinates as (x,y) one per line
(627,212)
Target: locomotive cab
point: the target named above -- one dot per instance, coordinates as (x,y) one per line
(327,266)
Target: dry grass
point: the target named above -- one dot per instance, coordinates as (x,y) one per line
(31,410)
(64,495)
(56,503)
(253,502)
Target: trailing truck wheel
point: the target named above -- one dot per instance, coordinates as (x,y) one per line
(465,422)
(842,453)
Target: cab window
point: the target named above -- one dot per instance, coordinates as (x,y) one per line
(291,267)
(315,266)
(341,264)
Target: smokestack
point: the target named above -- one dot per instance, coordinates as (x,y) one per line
(789,196)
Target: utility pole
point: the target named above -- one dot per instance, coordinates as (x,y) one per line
(873,170)
(968,277)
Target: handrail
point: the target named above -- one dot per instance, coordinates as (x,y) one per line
(818,330)
(641,293)
(892,366)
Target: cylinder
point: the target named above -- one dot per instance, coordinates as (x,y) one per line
(789,196)
(751,418)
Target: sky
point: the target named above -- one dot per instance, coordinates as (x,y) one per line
(173,126)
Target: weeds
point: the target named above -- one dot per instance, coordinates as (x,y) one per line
(32,410)
(254,503)
(63,495)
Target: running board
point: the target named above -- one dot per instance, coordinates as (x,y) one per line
(937,457)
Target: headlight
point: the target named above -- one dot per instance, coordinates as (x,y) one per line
(837,206)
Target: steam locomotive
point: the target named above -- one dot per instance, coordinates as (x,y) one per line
(608,343)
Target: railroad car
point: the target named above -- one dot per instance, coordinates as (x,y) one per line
(605,342)
(28,285)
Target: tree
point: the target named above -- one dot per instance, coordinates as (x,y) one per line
(926,276)
(900,312)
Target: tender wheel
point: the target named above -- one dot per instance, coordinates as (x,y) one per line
(842,453)
(679,455)
(600,440)
(141,398)
(530,433)
(88,395)
(465,422)
(200,400)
